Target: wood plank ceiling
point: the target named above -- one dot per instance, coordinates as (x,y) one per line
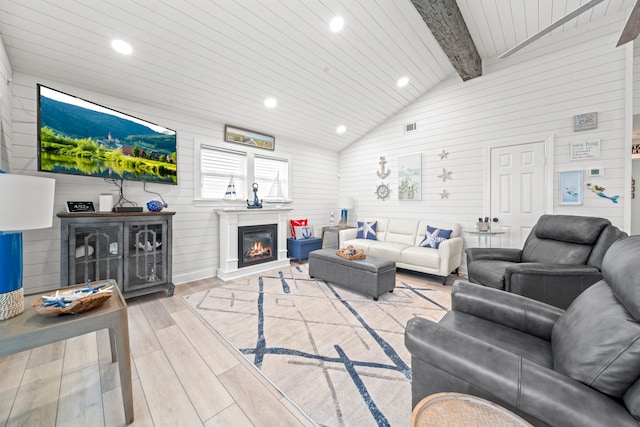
(219,60)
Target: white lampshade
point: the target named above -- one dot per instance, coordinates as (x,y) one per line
(26,202)
(345,202)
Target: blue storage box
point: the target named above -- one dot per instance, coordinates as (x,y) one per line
(299,249)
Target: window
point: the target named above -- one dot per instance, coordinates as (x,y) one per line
(218,165)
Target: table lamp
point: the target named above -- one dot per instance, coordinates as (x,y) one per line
(26,203)
(345,203)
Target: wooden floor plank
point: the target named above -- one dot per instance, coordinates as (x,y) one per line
(114,411)
(211,349)
(12,370)
(80,352)
(46,353)
(168,402)
(36,404)
(204,389)
(231,416)
(156,314)
(141,336)
(81,398)
(258,403)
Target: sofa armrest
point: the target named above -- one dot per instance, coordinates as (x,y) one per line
(496,254)
(450,253)
(555,284)
(511,310)
(346,234)
(512,380)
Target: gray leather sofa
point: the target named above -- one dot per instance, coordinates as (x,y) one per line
(561,257)
(579,367)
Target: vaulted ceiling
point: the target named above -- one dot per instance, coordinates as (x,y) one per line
(219,60)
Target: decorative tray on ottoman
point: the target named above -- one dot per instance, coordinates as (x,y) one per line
(74,301)
(351,253)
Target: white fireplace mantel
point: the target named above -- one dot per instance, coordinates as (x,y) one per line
(232,218)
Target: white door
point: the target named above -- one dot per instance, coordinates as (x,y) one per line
(517,191)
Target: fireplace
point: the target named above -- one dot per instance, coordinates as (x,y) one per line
(257,244)
(233,218)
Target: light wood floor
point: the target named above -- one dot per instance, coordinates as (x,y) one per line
(184,374)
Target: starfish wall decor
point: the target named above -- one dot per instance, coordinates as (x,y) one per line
(445,175)
(443,155)
(444,194)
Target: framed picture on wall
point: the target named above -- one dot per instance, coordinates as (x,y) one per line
(249,137)
(410,177)
(571,188)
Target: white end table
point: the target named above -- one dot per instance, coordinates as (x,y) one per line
(486,235)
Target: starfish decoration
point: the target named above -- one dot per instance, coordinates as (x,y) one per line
(445,175)
(444,194)
(443,155)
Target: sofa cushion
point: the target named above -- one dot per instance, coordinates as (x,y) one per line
(489,272)
(401,231)
(434,236)
(600,351)
(423,257)
(363,244)
(367,230)
(387,250)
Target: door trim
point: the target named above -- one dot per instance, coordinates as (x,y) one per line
(549,142)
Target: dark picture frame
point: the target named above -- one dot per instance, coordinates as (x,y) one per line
(249,137)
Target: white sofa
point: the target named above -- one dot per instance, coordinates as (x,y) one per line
(399,239)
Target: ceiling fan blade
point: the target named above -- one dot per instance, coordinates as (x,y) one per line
(551,27)
(632,27)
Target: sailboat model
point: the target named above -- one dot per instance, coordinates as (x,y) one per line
(276,194)
(230,194)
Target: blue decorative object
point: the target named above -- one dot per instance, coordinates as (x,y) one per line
(367,230)
(257,204)
(155,206)
(10,261)
(434,236)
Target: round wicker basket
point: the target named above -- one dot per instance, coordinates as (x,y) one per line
(78,306)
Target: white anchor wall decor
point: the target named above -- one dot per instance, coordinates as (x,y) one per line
(383,173)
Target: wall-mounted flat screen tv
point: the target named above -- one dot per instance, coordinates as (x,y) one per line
(79,137)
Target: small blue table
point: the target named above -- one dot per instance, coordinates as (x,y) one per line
(299,249)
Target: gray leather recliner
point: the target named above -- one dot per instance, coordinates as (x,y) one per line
(579,367)
(561,257)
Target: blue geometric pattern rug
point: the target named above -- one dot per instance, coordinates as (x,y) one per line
(339,355)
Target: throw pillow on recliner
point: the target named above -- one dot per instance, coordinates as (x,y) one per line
(600,351)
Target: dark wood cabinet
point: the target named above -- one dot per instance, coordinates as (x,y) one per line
(132,248)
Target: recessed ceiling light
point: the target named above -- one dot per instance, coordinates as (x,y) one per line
(336,24)
(270,102)
(403,81)
(341,129)
(122,47)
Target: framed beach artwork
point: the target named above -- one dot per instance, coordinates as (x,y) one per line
(249,137)
(570,186)
(410,177)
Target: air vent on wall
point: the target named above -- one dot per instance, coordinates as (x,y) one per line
(410,127)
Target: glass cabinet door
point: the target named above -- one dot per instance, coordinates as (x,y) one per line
(95,253)
(145,262)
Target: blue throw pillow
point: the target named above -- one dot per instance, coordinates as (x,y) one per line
(367,230)
(434,236)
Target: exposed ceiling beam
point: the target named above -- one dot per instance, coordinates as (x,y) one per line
(448,27)
(632,27)
(551,27)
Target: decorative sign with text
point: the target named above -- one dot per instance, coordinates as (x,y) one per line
(585,150)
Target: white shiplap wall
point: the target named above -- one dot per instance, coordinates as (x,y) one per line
(195,243)
(529,97)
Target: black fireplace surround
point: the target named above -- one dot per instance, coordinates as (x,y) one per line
(257,244)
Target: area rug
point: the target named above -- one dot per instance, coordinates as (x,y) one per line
(337,354)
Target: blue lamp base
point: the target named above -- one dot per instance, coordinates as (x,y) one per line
(343,217)
(11,293)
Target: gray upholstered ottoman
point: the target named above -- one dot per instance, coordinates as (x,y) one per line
(371,276)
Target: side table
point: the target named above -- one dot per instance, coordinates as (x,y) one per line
(330,236)
(486,235)
(462,410)
(30,329)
